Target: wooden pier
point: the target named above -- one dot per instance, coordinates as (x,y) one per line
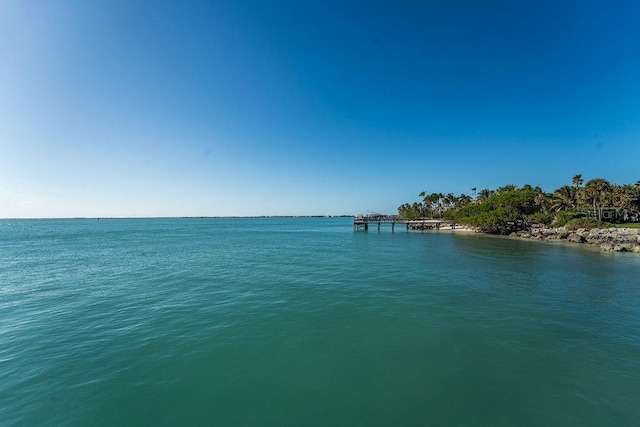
(363,221)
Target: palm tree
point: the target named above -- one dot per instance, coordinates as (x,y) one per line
(577,181)
(449,200)
(408,211)
(462,200)
(541,199)
(425,203)
(484,194)
(563,198)
(624,197)
(434,201)
(595,191)
(508,187)
(418,208)
(403,210)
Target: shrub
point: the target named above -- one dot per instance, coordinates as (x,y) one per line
(563,217)
(587,223)
(541,218)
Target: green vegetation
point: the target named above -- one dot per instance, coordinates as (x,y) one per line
(597,203)
(587,223)
(628,225)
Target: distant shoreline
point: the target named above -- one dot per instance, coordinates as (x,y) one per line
(176,217)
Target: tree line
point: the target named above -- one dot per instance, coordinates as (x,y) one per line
(509,207)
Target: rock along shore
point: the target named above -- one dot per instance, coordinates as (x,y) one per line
(609,239)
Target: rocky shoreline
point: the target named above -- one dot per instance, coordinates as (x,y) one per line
(609,239)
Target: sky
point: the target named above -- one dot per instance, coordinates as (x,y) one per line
(126,108)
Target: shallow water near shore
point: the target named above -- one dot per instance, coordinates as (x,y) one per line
(302,321)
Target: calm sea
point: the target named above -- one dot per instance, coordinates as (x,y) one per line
(298,322)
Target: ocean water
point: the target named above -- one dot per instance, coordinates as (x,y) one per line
(302,321)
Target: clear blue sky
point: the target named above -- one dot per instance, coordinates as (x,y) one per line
(169,108)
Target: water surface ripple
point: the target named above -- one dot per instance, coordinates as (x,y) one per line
(302,321)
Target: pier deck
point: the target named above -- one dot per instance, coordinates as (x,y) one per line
(363,221)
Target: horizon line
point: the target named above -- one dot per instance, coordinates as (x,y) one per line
(180,217)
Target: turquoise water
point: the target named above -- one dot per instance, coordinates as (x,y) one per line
(272,322)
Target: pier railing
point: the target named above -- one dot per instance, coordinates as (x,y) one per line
(377,217)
